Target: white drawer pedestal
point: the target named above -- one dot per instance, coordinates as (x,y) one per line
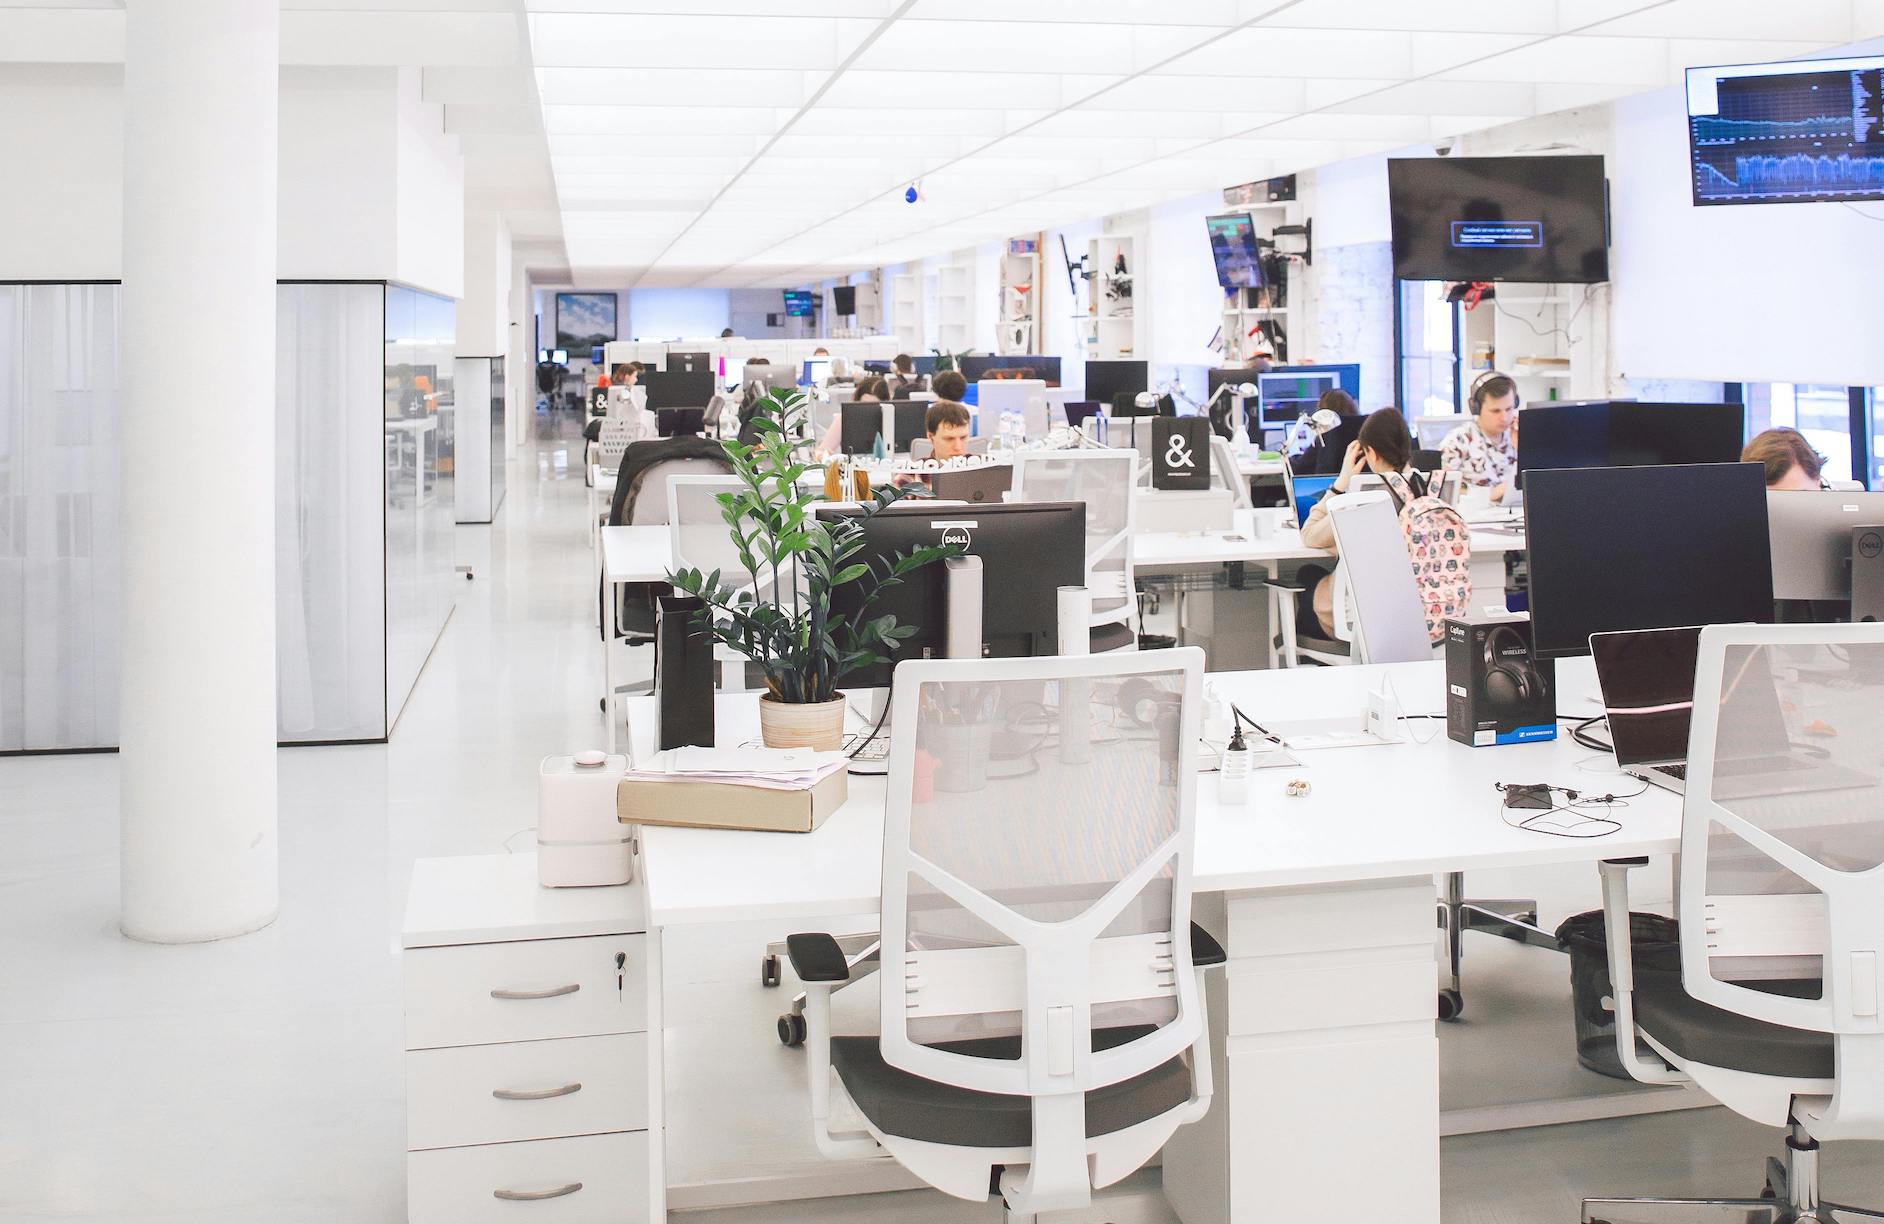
(532,1083)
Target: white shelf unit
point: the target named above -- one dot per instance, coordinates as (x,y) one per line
(1109,330)
(955,307)
(1525,331)
(906,311)
(1238,316)
(1020,300)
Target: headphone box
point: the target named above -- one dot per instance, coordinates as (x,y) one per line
(1497,692)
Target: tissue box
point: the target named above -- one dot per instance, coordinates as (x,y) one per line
(1497,692)
(579,843)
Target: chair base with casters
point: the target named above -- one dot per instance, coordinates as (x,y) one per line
(974,1145)
(1791,1196)
(1512,919)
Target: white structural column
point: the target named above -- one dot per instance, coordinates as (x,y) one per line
(197,768)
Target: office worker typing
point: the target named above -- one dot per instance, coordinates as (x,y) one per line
(1484,451)
(1383,445)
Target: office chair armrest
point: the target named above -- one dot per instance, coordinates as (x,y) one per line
(1295,588)
(1622,972)
(816,959)
(1205,950)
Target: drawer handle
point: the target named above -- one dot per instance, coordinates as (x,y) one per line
(551,993)
(533,1196)
(540,1094)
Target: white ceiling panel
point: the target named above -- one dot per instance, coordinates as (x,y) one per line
(768,142)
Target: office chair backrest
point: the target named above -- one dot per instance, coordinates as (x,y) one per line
(1037,876)
(653,457)
(1782,836)
(615,435)
(651,505)
(1107,481)
(697,529)
(1384,602)
(1224,472)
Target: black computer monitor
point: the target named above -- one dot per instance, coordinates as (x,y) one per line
(675,422)
(1107,380)
(560,356)
(844,299)
(688,363)
(1288,393)
(924,366)
(861,425)
(1627,433)
(1615,548)
(974,369)
(1028,552)
(909,421)
(877,367)
(673,389)
(597,355)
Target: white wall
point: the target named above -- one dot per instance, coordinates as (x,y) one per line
(1176,290)
(62,194)
(1750,293)
(338,195)
(484,308)
(1063,306)
(676,314)
(430,213)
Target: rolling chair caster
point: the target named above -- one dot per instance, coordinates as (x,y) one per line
(769,976)
(1451,1004)
(791,1030)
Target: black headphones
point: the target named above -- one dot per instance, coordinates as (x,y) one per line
(1477,393)
(1510,679)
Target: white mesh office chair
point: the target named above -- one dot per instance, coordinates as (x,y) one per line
(1041,1001)
(1107,481)
(1378,617)
(1776,1010)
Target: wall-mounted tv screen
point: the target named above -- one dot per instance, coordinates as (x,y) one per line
(1533,219)
(844,299)
(798,302)
(1787,133)
(1233,246)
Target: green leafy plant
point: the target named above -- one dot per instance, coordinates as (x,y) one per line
(795,564)
(946,360)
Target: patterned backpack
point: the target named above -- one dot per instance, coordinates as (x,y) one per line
(1439,544)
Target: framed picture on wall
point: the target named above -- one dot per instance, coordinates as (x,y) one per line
(584,320)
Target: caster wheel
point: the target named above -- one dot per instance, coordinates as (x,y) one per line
(1768,1192)
(768,973)
(601,703)
(1451,1004)
(791,1030)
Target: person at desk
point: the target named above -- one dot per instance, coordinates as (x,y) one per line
(1325,455)
(726,333)
(903,374)
(1384,444)
(1484,451)
(620,381)
(946,423)
(1789,460)
(870,390)
(950,385)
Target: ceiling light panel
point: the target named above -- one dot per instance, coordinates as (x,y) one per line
(1636,61)
(702,41)
(839,123)
(1823,21)
(1432,97)
(589,120)
(1101,121)
(638,86)
(1453,16)
(874,9)
(1302,53)
(1210,94)
(1083,12)
(1027,47)
(922,86)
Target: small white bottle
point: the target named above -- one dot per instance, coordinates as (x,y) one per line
(1216,718)
(1233,773)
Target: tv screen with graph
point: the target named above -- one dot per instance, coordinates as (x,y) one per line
(1800,132)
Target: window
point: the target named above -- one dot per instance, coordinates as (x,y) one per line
(1819,411)
(1429,350)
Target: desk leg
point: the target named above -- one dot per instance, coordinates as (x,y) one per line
(657,1078)
(608,665)
(1328,1076)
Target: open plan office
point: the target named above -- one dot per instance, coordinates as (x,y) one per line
(1061,612)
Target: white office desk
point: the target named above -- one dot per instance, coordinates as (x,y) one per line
(1325,1020)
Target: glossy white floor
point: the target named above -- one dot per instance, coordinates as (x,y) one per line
(259,1079)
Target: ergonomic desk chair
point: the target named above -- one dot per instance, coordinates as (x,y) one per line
(1107,481)
(1041,1013)
(1776,1010)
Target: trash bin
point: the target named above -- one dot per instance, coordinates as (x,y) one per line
(1657,944)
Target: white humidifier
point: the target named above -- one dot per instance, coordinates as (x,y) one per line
(579,842)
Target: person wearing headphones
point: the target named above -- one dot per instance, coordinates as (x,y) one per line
(1384,444)
(1484,450)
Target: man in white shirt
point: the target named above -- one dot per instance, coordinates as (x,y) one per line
(1484,451)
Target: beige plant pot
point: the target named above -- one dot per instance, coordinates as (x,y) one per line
(818,726)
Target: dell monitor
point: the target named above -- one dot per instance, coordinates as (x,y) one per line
(1696,550)
(1802,132)
(675,422)
(672,389)
(1028,552)
(1625,433)
(1287,393)
(1106,381)
(1233,248)
(1810,531)
(1541,220)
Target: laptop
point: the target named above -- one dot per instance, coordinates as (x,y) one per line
(1647,681)
(977,484)
(1302,492)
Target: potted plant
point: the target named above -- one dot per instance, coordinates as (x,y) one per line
(795,564)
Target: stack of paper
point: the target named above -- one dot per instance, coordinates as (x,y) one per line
(787,790)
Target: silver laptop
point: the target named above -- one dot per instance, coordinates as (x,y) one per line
(1647,680)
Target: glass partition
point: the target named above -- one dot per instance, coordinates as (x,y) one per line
(419,432)
(59,487)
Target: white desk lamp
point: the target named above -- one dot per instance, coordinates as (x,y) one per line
(1317,422)
(1239,428)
